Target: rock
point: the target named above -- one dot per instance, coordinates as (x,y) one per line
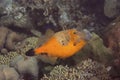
(94,78)
(13,37)
(2,76)
(8,73)
(8,38)
(111,8)
(4,51)
(111,37)
(26,66)
(112,40)
(3,35)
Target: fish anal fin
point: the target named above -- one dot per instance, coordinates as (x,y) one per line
(48,59)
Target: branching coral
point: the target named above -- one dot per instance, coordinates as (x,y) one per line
(27,44)
(87,70)
(5,59)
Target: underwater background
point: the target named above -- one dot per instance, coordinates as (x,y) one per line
(59,40)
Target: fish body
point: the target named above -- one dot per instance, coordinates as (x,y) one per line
(63,44)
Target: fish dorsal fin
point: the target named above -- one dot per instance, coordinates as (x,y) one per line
(49,33)
(44,38)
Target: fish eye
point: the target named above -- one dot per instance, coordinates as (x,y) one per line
(75,32)
(74,44)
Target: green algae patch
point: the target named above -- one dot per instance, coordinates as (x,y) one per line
(96,50)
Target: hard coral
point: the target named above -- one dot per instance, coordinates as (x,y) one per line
(27,44)
(5,59)
(86,70)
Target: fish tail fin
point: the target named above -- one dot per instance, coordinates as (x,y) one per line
(30,52)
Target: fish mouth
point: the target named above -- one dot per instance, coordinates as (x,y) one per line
(30,52)
(87,33)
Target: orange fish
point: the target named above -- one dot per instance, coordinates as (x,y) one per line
(63,44)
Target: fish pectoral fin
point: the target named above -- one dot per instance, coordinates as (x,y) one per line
(49,33)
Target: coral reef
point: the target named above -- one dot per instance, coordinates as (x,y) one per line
(86,70)
(31,16)
(21,48)
(16,59)
(38,13)
(16,16)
